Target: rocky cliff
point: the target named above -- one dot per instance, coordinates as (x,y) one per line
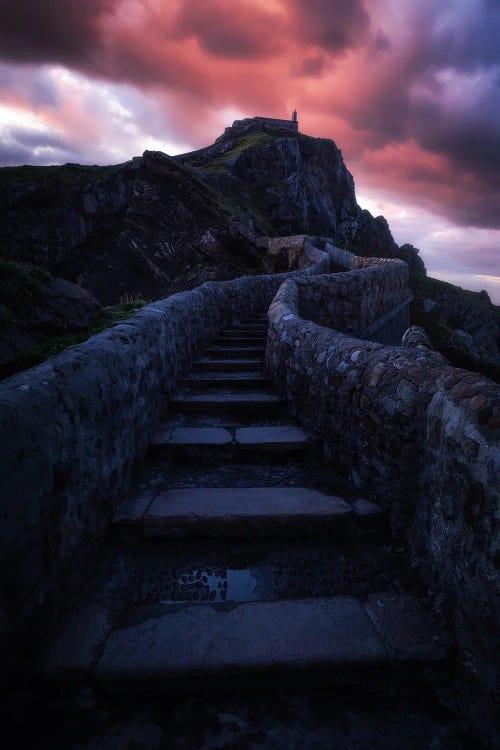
(282,182)
(159,224)
(126,229)
(35,308)
(140,228)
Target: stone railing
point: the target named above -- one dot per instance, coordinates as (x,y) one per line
(408,430)
(72,428)
(359,302)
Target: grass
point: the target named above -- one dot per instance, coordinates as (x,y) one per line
(218,164)
(61,173)
(52,344)
(18,286)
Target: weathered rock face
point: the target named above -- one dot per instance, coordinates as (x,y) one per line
(373,238)
(463,325)
(139,228)
(284,182)
(410,254)
(35,305)
(127,229)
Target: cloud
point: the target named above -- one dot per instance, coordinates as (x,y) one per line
(230,29)
(334,25)
(50,30)
(312,66)
(409,91)
(467,257)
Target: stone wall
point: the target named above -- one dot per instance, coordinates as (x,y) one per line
(72,428)
(363,397)
(271,122)
(420,438)
(275,244)
(341,258)
(390,327)
(288,251)
(454,530)
(371,304)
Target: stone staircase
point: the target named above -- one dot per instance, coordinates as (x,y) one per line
(240,557)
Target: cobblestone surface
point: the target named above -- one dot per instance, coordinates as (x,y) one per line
(162,475)
(299,720)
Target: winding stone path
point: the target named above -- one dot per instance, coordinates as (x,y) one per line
(228,464)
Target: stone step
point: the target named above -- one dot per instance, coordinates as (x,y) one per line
(227,341)
(235,352)
(272,437)
(245,512)
(258,403)
(234,380)
(248,510)
(261,336)
(246,444)
(209,364)
(335,639)
(250,329)
(257,316)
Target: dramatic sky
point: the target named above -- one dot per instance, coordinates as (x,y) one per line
(408,89)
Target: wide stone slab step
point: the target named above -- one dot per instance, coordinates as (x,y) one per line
(255,316)
(265,438)
(249,322)
(260,334)
(235,380)
(250,511)
(333,639)
(209,364)
(258,403)
(268,443)
(357,515)
(235,352)
(233,341)
(246,330)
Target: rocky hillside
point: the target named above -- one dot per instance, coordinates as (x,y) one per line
(159,224)
(462,325)
(126,229)
(137,228)
(283,182)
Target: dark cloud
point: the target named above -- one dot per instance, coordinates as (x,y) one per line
(38,139)
(380,45)
(15,151)
(228,29)
(335,25)
(50,30)
(313,66)
(469,38)
(14,155)
(440,90)
(44,93)
(30,146)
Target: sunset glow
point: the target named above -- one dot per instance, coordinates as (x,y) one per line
(410,91)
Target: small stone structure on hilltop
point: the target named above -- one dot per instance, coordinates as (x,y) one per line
(271,122)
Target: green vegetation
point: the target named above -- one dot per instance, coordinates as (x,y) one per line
(218,163)
(51,344)
(18,286)
(6,317)
(61,173)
